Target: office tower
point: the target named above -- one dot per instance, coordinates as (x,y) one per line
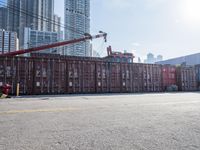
(35,38)
(35,14)
(77,23)
(57,23)
(8,41)
(3,17)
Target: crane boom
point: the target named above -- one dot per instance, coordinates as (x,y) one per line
(40,48)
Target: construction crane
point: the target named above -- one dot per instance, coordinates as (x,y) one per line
(40,48)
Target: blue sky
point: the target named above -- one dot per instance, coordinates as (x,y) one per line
(167,27)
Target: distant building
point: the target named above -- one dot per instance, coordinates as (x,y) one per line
(57,27)
(57,23)
(151,59)
(38,16)
(8,41)
(139,60)
(3,17)
(187,60)
(159,58)
(77,23)
(34,38)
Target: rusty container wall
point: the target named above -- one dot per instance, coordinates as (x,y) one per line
(126,78)
(186,78)
(58,76)
(14,70)
(24,75)
(42,76)
(168,76)
(88,80)
(8,72)
(115,77)
(137,78)
(152,78)
(74,75)
(197,69)
(102,77)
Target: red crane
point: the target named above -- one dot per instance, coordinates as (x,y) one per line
(40,48)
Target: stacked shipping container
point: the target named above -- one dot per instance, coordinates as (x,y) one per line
(70,75)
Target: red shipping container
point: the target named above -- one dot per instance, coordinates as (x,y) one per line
(168,76)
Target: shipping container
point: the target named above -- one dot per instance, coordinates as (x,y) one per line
(89,80)
(74,76)
(58,76)
(8,72)
(186,78)
(168,77)
(115,83)
(137,78)
(152,78)
(42,76)
(102,77)
(17,70)
(126,77)
(24,75)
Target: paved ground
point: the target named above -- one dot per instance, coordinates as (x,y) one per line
(109,122)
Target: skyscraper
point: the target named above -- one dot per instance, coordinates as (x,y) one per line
(3,18)
(35,14)
(77,23)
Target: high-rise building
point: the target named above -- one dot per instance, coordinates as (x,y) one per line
(151,59)
(8,41)
(34,38)
(77,23)
(3,18)
(57,23)
(35,14)
(159,58)
(57,27)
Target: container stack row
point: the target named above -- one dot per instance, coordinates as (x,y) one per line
(70,75)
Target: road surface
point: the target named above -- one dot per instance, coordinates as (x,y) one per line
(101,122)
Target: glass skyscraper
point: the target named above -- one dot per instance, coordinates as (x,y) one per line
(35,14)
(3,14)
(77,23)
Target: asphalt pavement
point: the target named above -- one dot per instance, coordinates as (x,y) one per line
(101,122)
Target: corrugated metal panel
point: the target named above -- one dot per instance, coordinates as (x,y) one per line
(74,76)
(42,76)
(168,76)
(102,77)
(25,75)
(89,83)
(115,78)
(186,78)
(8,72)
(15,70)
(137,77)
(58,77)
(126,78)
(152,78)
